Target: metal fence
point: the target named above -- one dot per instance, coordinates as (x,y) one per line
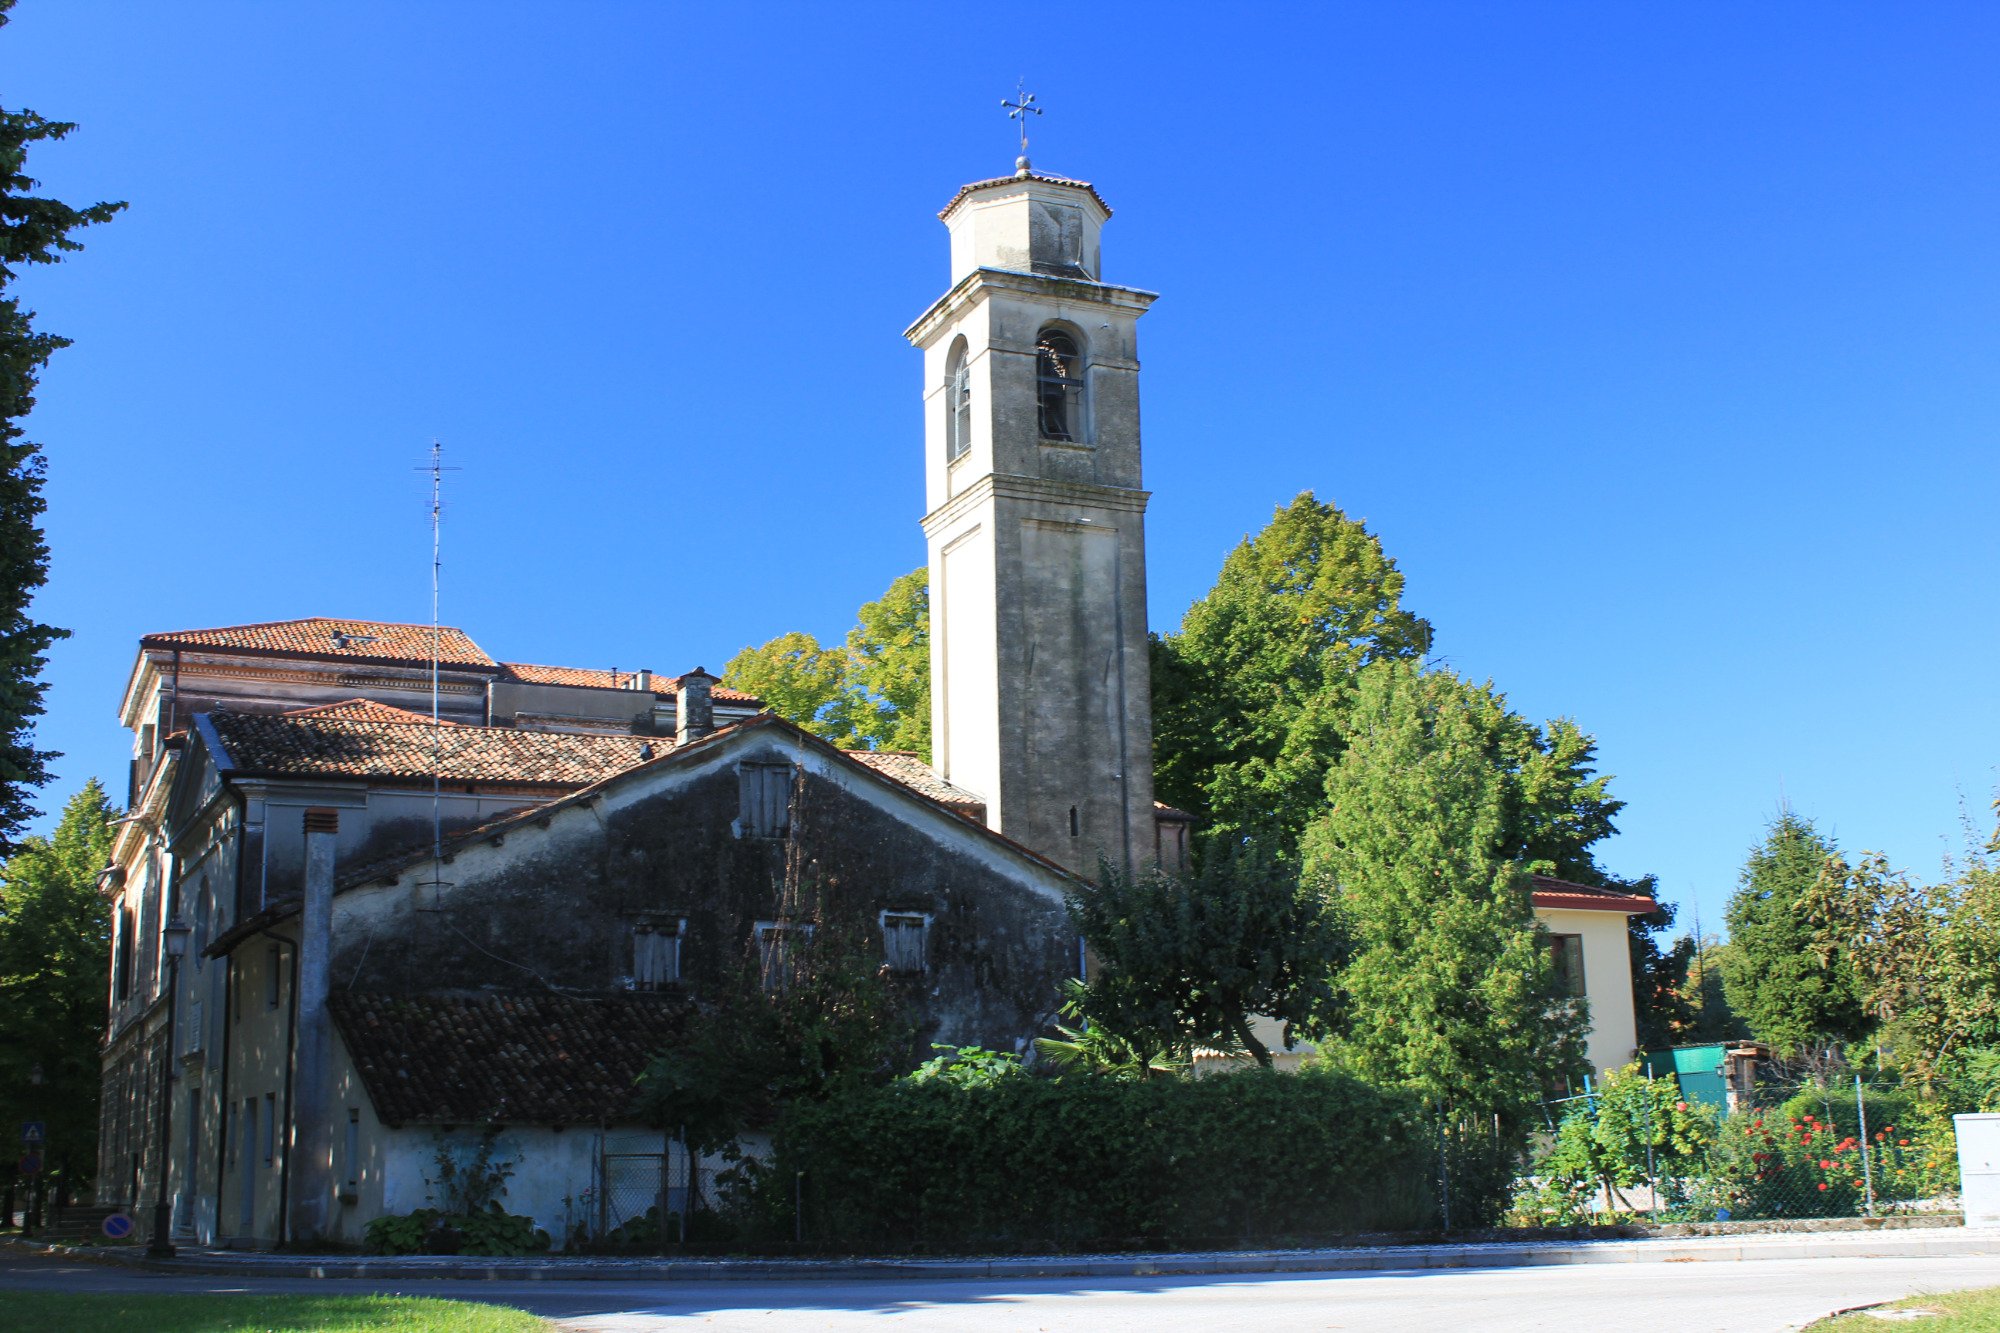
(647,1196)
(1792,1150)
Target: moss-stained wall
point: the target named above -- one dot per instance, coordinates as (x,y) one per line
(553,900)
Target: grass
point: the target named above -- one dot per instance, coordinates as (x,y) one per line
(260,1314)
(1958,1312)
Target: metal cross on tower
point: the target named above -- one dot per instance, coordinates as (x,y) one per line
(1020,109)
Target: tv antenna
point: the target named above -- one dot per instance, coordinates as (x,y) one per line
(436,468)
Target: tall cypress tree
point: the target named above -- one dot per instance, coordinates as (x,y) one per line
(1788,975)
(33,230)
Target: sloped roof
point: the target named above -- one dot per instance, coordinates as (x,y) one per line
(294,744)
(592,678)
(965,190)
(530,1058)
(919,776)
(1561,893)
(369,640)
(367,710)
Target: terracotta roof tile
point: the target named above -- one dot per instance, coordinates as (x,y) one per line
(593,678)
(528,1058)
(919,777)
(965,190)
(308,745)
(1561,893)
(367,710)
(376,640)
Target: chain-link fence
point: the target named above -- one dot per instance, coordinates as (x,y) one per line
(1786,1150)
(649,1196)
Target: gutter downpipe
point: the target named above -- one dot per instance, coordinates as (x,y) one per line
(291,1058)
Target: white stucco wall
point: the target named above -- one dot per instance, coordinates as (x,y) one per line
(1607,982)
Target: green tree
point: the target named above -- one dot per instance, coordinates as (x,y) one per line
(1249,694)
(889,667)
(1632,1130)
(873,692)
(1451,992)
(33,230)
(799,681)
(1788,976)
(1188,958)
(54,958)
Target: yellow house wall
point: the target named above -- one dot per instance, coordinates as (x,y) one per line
(1607,982)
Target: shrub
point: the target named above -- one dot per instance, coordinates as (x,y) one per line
(1095,1162)
(490,1234)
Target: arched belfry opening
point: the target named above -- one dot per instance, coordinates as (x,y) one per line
(1059,386)
(957,402)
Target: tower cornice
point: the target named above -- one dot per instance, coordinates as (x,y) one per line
(1009,486)
(977,285)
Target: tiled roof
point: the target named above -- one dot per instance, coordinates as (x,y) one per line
(376,640)
(291,744)
(1171,813)
(919,777)
(965,190)
(593,678)
(367,710)
(528,1058)
(1552,892)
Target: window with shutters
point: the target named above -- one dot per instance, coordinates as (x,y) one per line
(766,800)
(780,951)
(656,952)
(904,935)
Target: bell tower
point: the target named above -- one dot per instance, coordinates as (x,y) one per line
(1041,696)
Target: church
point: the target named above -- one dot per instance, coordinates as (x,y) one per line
(378,888)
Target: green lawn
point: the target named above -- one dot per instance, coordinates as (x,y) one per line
(260,1314)
(1958,1312)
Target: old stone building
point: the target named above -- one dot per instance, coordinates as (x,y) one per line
(375,883)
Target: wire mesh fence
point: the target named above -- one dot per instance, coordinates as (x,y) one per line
(649,1195)
(1786,1150)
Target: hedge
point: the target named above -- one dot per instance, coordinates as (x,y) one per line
(1090,1163)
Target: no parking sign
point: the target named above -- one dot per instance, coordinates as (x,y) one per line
(118,1226)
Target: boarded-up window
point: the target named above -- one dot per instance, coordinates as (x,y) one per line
(656,953)
(780,950)
(903,939)
(1566,952)
(765,801)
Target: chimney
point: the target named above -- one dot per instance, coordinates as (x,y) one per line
(642,681)
(311,1202)
(694,706)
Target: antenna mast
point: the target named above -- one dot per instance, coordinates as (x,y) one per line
(437,469)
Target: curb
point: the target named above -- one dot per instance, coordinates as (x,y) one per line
(1720,1249)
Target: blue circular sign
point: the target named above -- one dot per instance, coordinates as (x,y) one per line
(118,1226)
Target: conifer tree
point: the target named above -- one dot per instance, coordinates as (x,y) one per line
(1788,977)
(1451,991)
(33,230)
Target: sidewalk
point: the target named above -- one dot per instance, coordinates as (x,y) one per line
(1927,1242)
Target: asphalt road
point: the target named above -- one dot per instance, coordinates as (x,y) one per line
(1722,1297)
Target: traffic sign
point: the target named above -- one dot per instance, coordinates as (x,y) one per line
(118,1226)
(30,1163)
(33,1131)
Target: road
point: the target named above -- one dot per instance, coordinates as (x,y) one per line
(1722,1297)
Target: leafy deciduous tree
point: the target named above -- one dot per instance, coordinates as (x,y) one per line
(54,957)
(1188,958)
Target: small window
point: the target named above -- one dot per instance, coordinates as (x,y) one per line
(353,1149)
(766,799)
(1059,385)
(248,1134)
(203,910)
(779,946)
(272,977)
(123,970)
(656,953)
(903,938)
(270,1128)
(1566,952)
(232,1119)
(958,404)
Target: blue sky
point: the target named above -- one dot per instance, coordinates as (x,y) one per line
(1658,343)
